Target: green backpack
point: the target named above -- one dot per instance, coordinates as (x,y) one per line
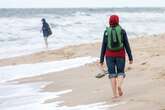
(115,39)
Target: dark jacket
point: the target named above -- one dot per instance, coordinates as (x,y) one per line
(46,29)
(125,42)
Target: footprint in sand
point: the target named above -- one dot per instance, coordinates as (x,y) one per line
(155,55)
(144,63)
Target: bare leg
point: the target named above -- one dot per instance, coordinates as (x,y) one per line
(120,80)
(46,42)
(114,87)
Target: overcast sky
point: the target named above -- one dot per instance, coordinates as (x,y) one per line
(79,3)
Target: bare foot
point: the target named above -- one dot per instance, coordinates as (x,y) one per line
(120,91)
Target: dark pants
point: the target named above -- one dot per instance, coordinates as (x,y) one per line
(115,66)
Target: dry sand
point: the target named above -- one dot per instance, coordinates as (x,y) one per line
(144,87)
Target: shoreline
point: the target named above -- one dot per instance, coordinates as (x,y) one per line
(49,55)
(65,52)
(143,88)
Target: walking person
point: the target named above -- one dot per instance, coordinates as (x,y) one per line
(46,31)
(114,45)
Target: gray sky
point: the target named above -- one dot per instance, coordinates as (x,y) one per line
(79,3)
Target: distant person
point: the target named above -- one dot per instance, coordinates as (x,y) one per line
(114,44)
(46,31)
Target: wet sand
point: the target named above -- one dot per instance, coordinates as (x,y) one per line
(143,88)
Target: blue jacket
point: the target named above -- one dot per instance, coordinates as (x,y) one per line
(46,29)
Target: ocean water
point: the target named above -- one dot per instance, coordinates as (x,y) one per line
(30,96)
(13,72)
(20,28)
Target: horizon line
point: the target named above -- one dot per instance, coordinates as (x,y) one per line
(82,7)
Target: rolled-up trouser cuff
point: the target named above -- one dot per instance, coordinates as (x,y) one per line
(122,74)
(112,76)
(116,75)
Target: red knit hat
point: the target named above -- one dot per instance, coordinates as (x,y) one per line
(113,20)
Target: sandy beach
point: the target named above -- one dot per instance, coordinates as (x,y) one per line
(143,88)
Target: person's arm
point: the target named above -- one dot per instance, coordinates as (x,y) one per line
(43,27)
(127,46)
(104,46)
